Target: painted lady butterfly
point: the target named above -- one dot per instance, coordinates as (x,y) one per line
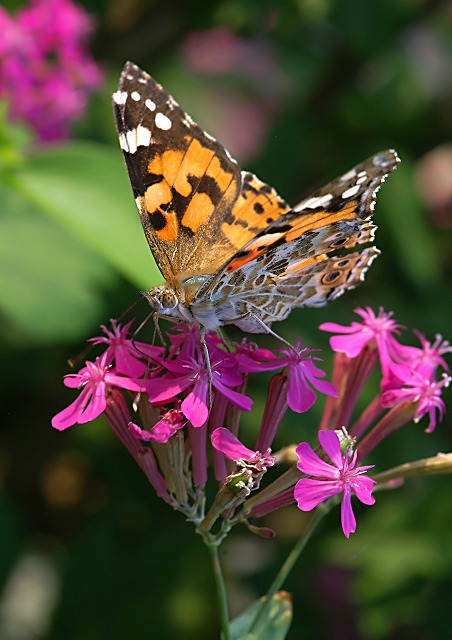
(230,249)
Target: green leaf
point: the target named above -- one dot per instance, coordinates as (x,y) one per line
(416,247)
(84,187)
(49,283)
(273,624)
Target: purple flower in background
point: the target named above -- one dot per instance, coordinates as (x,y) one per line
(46,72)
(332,479)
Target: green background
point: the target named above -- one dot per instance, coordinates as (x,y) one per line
(306,89)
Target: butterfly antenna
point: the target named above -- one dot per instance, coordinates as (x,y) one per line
(80,357)
(129,308)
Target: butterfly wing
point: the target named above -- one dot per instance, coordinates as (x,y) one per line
(295,262)
(196,206)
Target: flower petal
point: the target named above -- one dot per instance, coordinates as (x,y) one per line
(300,396)
(332,447)
(363,487)
(194,407)
(226,442)
(348,519)
(70,416)
(309,492)
(96,406)
(312,465)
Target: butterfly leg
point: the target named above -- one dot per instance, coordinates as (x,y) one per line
(270,331)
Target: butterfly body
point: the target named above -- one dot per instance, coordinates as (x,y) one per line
(230,249)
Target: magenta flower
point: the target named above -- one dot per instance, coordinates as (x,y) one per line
(426,359)
(330,480)
(354,338)
(301,371)
(170,421)
(46,72)
(226,442)
(191,373)
(426,393)
(126,353)
(93,380)
(186,341)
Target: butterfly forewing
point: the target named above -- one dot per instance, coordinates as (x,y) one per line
(189,190)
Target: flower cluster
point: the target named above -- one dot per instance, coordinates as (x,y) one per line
(46,71)
(167,404)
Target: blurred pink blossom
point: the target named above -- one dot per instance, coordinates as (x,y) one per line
(46,71)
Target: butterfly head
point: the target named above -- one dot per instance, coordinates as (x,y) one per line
(163,300)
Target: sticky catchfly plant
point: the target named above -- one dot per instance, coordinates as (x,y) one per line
(182,418)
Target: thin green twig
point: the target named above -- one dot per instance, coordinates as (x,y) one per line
(220,588)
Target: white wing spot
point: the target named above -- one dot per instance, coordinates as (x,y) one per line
(123,142)
(319,201)
(163,122)
(120,97)
(348,176)
(150,105)
(135,96)
(348,193)
(143,137)
(134,138)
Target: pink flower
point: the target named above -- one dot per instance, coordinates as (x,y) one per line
(94,380)
(226,442)
(46,72)
(428,358)
(125,353)
(252,464)
(190,372)
(354,338)
(301,371)
(330,480)
(170,421)
(421,390)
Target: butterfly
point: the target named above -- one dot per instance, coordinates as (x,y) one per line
(230,249)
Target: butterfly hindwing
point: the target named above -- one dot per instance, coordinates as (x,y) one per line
(295,261)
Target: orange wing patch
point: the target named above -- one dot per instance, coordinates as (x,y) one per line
(299,226)
(257,206)
(198,211)
(312,221)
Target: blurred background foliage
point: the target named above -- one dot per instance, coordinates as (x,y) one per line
(298,91)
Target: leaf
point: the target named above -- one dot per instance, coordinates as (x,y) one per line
(49,283)
(84,188)
(416,248)
(273,624)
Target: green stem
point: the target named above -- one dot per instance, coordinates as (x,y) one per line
(289,563)
(221,590)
